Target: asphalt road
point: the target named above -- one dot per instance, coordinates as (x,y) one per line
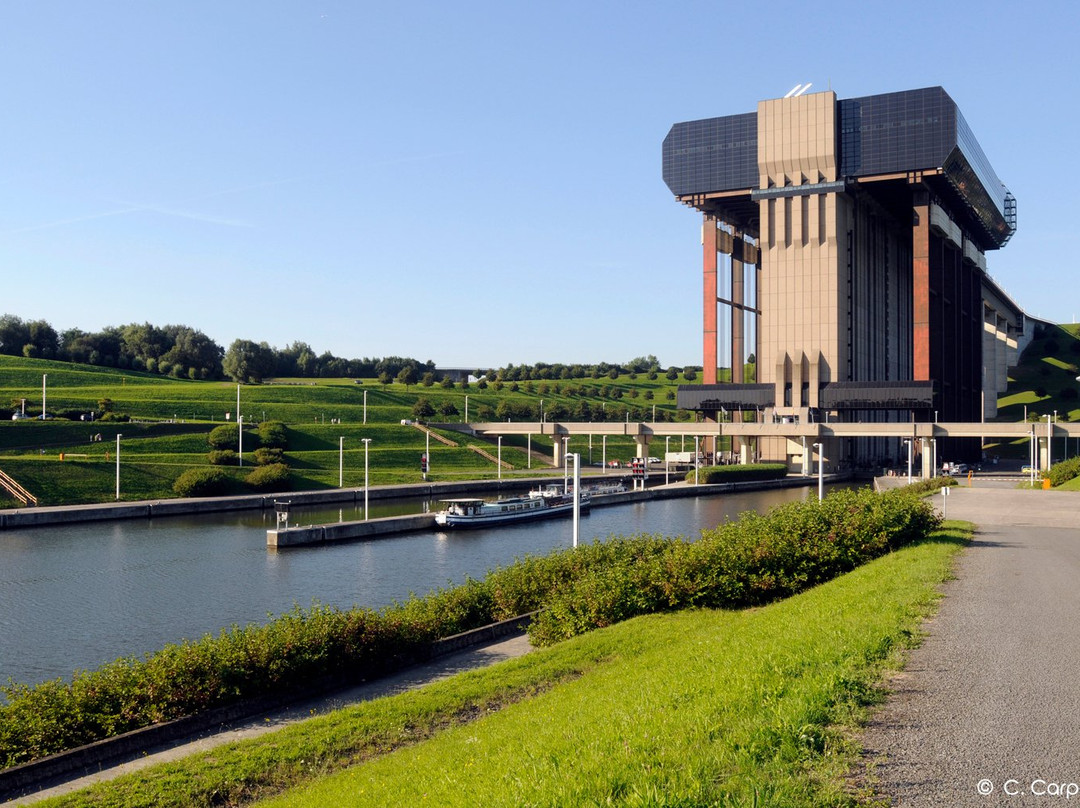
(987,710)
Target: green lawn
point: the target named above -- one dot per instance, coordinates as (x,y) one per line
(755,707)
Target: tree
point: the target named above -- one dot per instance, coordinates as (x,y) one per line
(192,349)
(422,409)
(14,334)
(407,376)
(247,362)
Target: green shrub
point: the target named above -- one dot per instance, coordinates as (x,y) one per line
(1064,471)
(274,477)
(273,435)
(931,486)
(739,474)
(223,457)
(202,482)
(265,456)
(226,436)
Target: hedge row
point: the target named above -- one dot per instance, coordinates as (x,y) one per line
(750,561)
(1064,471)
(204,481)
(749,472)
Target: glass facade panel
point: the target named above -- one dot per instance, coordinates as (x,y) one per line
(879,134)
(715,154)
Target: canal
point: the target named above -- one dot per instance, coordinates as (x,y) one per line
(80,595)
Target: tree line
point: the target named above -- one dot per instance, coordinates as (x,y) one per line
(184,352)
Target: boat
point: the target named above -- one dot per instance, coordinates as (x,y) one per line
(467,512)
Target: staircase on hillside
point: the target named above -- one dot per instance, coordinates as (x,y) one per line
(16,490)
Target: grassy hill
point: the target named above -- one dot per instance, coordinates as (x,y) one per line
(1043,383)
(165,423)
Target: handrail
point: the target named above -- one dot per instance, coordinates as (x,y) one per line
(16,490)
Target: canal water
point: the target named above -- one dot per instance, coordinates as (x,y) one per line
(80,595)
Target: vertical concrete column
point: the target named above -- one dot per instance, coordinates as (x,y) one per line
(807,459)
(708,299)
(927,458)
(920,308)
(738,314)
(641,445)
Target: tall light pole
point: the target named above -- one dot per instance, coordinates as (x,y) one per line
(366,441)
(577,497)
(499,463)
(44,376)
(341,462)
(1049,433)
(118,436)
(667,462)
(239,428)
(566,465)
(908,442)
(820,472)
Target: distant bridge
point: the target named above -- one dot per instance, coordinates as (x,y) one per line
(801,436)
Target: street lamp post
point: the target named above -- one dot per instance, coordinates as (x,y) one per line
(667,455)
(44,376)
(118,436)
(1049,434)
(366,441)
(341,462)
(566,465)
(499,464)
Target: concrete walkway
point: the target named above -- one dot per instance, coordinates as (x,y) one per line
(409,679)
(987,710)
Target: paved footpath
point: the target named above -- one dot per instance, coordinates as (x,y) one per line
(987,710)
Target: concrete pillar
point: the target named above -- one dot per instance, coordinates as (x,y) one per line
(920,254)
(641,445)
(708,300)
(807,458)
(738,335)
(927,459)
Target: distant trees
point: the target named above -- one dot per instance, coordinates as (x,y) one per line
(181,351)
(246,361)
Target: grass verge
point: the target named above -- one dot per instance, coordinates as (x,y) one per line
(698,707)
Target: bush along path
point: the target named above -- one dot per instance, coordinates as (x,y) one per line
(751,561)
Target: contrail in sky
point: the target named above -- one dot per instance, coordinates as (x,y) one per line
(169,211)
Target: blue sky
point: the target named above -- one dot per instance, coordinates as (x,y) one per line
(475,183)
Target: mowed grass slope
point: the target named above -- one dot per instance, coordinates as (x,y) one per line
(756,707)
(173,417)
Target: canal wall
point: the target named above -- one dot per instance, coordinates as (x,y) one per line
(149,509)
(18,518)
(300,536)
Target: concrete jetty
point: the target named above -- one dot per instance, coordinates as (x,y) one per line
(299,536)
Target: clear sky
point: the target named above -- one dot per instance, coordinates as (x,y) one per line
(475,183)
